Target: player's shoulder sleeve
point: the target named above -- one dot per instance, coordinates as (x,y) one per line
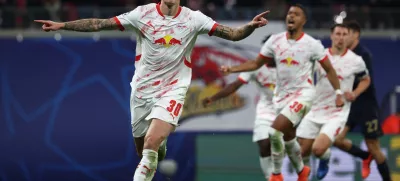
(318,52)
(203,23)
(129,20)
(267,50)
(245,77)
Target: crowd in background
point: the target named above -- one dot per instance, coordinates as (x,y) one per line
(371,13)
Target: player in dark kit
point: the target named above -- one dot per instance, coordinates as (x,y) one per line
(364,112)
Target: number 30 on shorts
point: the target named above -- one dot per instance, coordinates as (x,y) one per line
(174,108)
(296,107)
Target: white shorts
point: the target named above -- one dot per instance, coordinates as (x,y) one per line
(296,110)
(295,106)
(309,129)
(265,116)
(168,109)
(261,129)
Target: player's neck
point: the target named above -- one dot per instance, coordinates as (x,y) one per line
(169,10)
(337,51)
(294,35)
(354,45)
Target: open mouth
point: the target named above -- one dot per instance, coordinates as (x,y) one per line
(290,22)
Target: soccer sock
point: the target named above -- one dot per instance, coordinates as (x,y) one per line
(277,150)
(266,166)
(384,171)
(357,152)
(293,150)
(306,161)
(326,155)
(147,166)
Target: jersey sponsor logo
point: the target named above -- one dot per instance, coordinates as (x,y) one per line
(271,86)
(168,41)
(289,62)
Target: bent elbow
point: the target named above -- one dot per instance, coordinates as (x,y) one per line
(367,80)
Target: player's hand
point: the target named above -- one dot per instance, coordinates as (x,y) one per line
(339,100)
(350,96)
(50,25)
(225,70)
(206,102)
(259,20)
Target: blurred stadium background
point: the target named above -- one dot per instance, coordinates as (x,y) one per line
(64,112)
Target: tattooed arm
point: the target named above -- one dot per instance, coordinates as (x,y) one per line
(83,25)
(90,25)
(234,34)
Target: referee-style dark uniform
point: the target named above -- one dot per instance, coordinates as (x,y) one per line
(365,110)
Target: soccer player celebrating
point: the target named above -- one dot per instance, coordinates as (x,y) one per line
(324,122)
(294,53)
(364,112)
(166,34)
(265,80)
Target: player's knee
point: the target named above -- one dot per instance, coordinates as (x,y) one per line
(152,141)
(372,144)
(318,151)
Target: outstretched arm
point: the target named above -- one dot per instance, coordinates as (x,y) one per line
(240,33)
(228,90)
(234,34)
(89,25)
(249,65)
(83,25)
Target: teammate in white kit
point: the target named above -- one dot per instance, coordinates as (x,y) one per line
(265,80)
(325,121)
(294,53)
(166,34)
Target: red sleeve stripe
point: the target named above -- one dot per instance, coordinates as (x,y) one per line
(187,63)
(325,58)
(119,24)
(211,32)
(264,57)
(242,80)
(137,58)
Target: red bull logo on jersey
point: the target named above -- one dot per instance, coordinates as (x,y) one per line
(270,86)
(289,61)
(168,41)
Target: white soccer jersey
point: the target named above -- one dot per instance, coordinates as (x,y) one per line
(164,46)
(347,66)
(265,79)
(294,61)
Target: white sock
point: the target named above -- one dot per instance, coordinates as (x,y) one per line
(277,150)
(266,166)
(147,166)
(326,155)
(293,150)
